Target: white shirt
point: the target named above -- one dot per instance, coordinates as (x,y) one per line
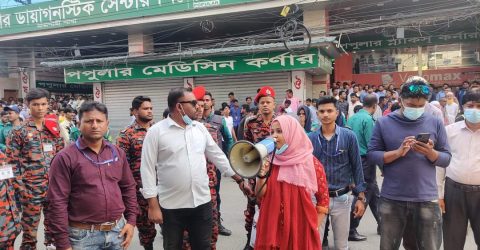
(465,164)
(351,108)
(175,156)
(452,112)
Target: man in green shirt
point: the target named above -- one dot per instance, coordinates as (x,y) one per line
(3,123)
(362,124)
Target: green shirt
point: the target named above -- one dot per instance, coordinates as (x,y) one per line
(362,125)
(4,129)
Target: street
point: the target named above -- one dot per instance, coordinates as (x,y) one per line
(233,204)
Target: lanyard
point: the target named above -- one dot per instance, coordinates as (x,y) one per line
(337,152)
(114,154)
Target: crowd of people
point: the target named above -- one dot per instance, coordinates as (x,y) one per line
(57,157)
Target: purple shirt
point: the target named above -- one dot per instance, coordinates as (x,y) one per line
(81,191)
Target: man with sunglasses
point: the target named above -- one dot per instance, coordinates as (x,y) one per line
(409,195)
(92,196)
(337,148)
(173,167)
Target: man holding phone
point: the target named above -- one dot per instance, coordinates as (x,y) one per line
(409,193)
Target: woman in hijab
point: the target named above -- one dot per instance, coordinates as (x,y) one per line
(305,118)
(288,218)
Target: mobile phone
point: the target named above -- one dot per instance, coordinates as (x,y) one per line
(423,137)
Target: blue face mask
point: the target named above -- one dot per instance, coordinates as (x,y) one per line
(282,149)
(472,115)
(413,113)
(186,119)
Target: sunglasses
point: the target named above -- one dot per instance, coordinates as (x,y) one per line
(192,102)
(419,89)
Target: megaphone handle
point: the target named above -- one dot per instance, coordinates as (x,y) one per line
(267,174)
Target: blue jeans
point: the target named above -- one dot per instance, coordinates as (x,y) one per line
(82,239)
(339,212)
(424,218)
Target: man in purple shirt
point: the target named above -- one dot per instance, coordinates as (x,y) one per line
(92,193)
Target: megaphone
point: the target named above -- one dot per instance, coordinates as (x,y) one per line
(246,158)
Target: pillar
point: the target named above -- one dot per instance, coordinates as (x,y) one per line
(139,44)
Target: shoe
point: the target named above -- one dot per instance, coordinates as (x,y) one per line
(325,242)
(148,247)
(248,247)
(51,247)
(223,231)
(355,236)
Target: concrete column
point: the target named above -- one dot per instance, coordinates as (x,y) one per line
(315,18)
(299,88)
(139,44)
(33,73)
(12,63)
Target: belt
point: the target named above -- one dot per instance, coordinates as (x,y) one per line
(338,192)
(464,187)
(107,226)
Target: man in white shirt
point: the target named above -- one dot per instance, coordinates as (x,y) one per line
(294,102)
(67,125)
(173,156)
(353,103)
(459,183)
(451,108)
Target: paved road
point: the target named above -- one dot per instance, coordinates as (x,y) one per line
(233,204)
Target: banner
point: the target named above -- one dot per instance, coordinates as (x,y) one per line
(24,82)
(412,41)
(66,13)
(452,76)
(97,92)
(273,61)
(60,87)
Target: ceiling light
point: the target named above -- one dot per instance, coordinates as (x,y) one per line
(373,50)
(92,42)
(380,4)
(59,41)
(347,8)
(113,34)
(93,36)
(76,39)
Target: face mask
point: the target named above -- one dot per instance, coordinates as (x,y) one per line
(413,113)
(472,115)
(186,119)
(282,149)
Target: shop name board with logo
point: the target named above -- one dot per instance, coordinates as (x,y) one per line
(65,13)
(60,87)
(273,61)
(412,41)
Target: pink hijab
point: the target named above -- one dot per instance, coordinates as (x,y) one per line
(296,163)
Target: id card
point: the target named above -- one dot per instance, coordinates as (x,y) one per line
(6,172)
(47,147)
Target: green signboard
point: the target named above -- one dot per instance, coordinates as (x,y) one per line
(412,41)
(66,13)
(272,61)
(60,87)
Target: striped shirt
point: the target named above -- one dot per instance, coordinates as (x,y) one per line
(340,157)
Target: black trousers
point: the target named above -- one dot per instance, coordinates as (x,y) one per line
(197,221)
(372,194)
(462,204)
(217,188)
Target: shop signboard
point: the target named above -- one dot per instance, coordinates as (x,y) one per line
(67,13)
(452,76)
(261,62)
(60,87)
(412,41)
